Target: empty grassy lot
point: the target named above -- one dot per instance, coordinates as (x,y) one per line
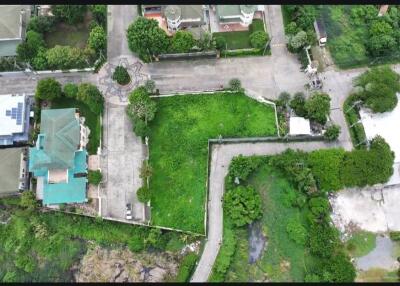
(178,150)
(241,39)
(91,120)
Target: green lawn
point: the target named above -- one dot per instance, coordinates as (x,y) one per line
(91,120)
(66,35)
(240,39)
(178,150)
(361,243)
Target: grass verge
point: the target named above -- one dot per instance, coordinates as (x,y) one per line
(361,243)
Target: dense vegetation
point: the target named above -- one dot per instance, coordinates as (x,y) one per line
(41,55)
(42,247)
(178,149)
(121,75)
(317,107)
(94,177)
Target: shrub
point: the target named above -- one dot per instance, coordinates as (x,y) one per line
(146,38)
(284,99)
(143,194)
(325,166)
(235,84)
(97,39)
(220,43)
(182,42)
(299,40)
(298,104)
(121,75)
(258,39)
(40,60)
(94,177)
(71,14)
(243,205)
(41,24)
(339,269)
(296,231)
(70,90)
(319,208)
(323,239)
(66,57)
(140,128)
(332,132)
(318,107)
(241,167)
(395,235)
(141,105)
(90,95)
(186,267)
(136,243)
(99,13)
(48,89)
(28,200)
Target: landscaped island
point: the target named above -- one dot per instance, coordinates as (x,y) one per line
(178,150)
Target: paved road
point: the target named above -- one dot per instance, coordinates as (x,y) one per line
(220,160)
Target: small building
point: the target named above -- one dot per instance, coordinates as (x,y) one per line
(13,22)
(232,14)
(299,126)
(183,16)
(14,119)
(13,171)
(319,27)
(59,159)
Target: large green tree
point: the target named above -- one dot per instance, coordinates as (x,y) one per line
(66,57)
(242,205)
(146,38)
(141,105)
(182,42)
(318,107)
(97,39)
(90,94)
(259,39)
(48,89)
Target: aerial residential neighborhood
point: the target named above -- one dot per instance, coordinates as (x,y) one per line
(199,143)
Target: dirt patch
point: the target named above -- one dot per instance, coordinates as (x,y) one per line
(121,265)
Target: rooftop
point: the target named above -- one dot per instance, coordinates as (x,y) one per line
(10,20)
(12,110)
(234,10)
(10,159)
(173,12)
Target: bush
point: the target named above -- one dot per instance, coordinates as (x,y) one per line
(91,96)
(186,267)
(136,243)
(241,167)
(357,132)
(143,194)
(243,205)
(140,128)
(298,41)
(121,75)
(141,105)
(325,166)
(71,14)
(235,84)
(94,177)
(318,107)
(395,235)
(319,208)
(28,200)
(182,42)
(296,231)
(258,39)
(220,43)
(66,57)
(41,24)
(339,269)
(48,89)
(70,90)
(98,39)
(298,104)
(323,239)
(332,133)
(99,13)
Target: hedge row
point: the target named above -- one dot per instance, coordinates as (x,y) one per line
(244,52)
(357,132)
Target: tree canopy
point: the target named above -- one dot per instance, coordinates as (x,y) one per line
(182,42)
(48,89)
(70,14)
(141,105)
(259,39)
(89,94)
(318,107)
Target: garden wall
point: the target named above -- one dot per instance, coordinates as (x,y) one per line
(188,56)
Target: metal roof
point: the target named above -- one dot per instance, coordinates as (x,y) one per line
(173,12)
(10,20)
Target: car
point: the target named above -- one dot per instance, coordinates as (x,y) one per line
(128,211)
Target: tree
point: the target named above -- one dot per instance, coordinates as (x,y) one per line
(143,194)
(299,40)
(258,39)
(28,50)
(298,104)
(48,89)
(182,42)
(70,90)
(99,13)
(66,57)
(381,39)
(91,96)
(121,75)
(220,43)
(150,85)
(146,38)
(28,200)
(94,177)
(71,14)
(296,231)
(140,128)
(40,61)
(318,107)
(332,132)
(141,105)
(339,269)
(41,24)
(283,99)
(235,84)
(243,205)
(323,239)
(378,87)
(325,166)
(241,166)
(97,39)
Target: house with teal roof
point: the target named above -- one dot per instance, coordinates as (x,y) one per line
(59,158)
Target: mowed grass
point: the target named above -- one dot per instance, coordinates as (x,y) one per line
(178,150)
(91,120)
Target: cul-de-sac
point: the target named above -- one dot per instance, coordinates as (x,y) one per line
(199,143)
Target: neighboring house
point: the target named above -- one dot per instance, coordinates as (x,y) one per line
(59,159)
(321,32)
(14,119)
(13,22)
(236,14)
(13,170)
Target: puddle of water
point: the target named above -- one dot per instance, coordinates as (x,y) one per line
(257,241)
